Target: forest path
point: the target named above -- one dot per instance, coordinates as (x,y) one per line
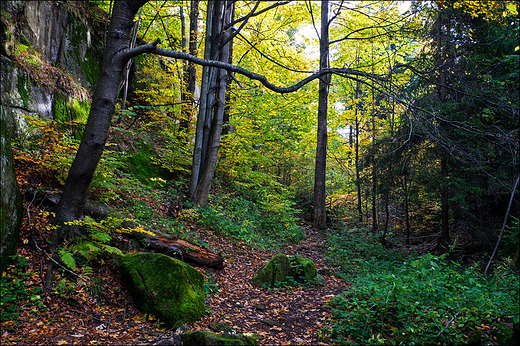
(74,316)
(288,316)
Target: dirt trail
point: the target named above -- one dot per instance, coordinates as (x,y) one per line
(289,316)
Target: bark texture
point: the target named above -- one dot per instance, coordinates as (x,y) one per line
(320,215)
(95,135)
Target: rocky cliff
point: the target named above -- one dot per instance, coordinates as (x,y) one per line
(49,60)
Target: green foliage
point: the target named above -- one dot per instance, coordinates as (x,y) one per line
(417,301)
(17,292)
(23,85)
(48,153)
(210,285)
(358,252)
(510,242)
(144,166)
(254,222)
(94,244)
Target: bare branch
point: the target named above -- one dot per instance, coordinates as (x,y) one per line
(251,14)
(152,48)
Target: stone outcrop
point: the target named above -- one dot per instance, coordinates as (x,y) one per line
(11,200)
(281,268)
(60,65)
(167,288)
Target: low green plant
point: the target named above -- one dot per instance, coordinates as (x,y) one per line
(93,244)
(210,285)
(420,300)
(250,221)
(17,292)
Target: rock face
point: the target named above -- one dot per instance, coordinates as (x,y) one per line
(167,288)
(68,50)
(282,267)
(11,199)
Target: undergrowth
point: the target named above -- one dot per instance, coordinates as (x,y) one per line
(422,299)
(251,221)
(18,292)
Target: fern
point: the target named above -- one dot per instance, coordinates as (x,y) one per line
(94,244)
(111,250)
(66,257)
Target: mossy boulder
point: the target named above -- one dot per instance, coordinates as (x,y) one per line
(304,268)
(165,287)
(281,267)
(11,206)
(203,338)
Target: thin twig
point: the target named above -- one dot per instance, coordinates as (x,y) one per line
(503,225)
(447,324)
(52,259)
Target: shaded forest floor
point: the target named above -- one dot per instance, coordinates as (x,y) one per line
(103,312)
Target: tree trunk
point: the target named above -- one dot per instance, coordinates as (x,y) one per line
(374,172)
(201,118)
(201,193)
(320,215)
(189,76)
(358,178)
(444,239)
(81,172)
(95,134)
(406,209)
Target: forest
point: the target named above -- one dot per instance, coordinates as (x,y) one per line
(247,172)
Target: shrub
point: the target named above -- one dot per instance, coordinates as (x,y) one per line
(422,300)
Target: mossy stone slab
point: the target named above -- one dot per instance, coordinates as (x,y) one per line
(203,338)
(304,268)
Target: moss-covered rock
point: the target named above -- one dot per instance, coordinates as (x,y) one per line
(282,267)
(276,270)
(304,268)
(164,287)
(11,199)
(202,338)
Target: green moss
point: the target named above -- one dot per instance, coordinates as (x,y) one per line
(61,113)
(202,338)
(89,64)
(66,111)
(165,287)
(304,268)
(282,267)
(140,164)
(276,270)
(22,85)
(80,110)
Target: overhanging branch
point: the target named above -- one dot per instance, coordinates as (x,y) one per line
(152,48)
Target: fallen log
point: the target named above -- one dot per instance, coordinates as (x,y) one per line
(187,250)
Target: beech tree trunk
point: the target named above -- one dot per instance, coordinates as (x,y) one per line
(215,103)
(320,213)
(201,118)
(95,135)
(189,76)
